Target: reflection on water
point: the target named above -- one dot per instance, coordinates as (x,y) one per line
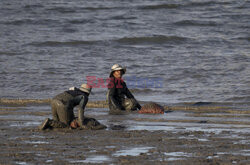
(241,153)
(203,140)
(136,121)
(36,142)
(110,147)
(173,159)
(211,157)
(23,117)
(132,152)
(25,124)
(38,136)
(188,127)
(21,163)
(93,159)
(172,156)
(178,154)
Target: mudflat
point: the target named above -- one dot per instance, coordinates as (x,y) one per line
(190,135)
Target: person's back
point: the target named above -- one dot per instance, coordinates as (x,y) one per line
(62,106)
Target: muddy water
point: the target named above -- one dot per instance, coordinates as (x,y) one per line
(176,137)
(200,48)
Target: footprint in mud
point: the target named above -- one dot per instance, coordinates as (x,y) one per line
(117,127)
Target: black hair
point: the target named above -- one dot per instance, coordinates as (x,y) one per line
(111,74)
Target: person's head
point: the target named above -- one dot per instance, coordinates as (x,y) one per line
(117,71)
(86,88)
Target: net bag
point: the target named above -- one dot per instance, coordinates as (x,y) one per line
(152,108)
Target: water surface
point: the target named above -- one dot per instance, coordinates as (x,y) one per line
(200,48)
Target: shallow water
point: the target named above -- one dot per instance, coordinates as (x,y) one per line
(36,142)
(200,48)
(176,121)
(132,151)
(175,137)
(178,154)
(93,159)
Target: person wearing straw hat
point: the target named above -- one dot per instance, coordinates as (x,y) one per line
(62,106)
(119,97)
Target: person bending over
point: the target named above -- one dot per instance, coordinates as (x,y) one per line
(62,106)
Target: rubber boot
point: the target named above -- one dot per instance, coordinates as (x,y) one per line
(45,124)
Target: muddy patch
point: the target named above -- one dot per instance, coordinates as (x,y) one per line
(178,137)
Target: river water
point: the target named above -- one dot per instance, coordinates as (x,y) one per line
(197,50)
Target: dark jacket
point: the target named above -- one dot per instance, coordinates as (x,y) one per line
(70,99)
(73,98)
(117,93)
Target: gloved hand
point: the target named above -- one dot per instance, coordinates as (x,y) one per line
(72,88)
(74,124)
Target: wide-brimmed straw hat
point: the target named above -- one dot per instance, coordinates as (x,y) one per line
(85,88)
(117,67)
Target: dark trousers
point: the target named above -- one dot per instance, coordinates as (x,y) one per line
(62,108)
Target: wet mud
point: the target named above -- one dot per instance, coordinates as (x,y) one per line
(175,137)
